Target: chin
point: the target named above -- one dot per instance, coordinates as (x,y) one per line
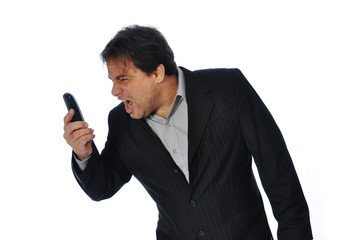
(136,116)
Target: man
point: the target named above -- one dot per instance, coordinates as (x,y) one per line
(189,138)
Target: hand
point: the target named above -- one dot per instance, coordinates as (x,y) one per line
(78,136)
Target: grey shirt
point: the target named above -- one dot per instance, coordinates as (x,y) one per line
(172,131)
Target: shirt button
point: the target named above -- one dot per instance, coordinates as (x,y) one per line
(175,150)
(193,203)
(201,233)
(176,171)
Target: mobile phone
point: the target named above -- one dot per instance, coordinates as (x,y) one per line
(71,103)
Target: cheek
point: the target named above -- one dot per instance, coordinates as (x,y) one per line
(143,94)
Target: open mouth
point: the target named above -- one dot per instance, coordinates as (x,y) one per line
(128,106)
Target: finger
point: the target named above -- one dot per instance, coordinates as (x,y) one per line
(72,136)
(69,116)
(73,126)
(83,142)
(73,131)
(82,132)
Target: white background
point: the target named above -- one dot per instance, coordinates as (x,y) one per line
(302,57)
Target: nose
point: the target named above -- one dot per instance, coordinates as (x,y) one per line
(116,90)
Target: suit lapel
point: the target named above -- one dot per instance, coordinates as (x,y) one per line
(144,132)
(200,106)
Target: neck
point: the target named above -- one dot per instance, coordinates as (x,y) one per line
(169,88)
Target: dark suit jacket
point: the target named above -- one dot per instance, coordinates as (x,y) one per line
(228,124)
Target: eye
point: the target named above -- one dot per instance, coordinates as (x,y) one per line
(120,79)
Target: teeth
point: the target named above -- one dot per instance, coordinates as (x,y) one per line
(130,103)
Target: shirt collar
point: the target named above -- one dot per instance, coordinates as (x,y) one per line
(181,84)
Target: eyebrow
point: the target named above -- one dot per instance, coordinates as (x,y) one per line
(118,77)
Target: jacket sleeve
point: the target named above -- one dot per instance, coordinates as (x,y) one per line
(105,173)
(274,164)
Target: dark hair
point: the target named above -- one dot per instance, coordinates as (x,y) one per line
(146,47)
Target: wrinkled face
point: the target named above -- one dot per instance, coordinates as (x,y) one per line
(136,88)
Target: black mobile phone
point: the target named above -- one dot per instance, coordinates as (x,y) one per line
(71,103)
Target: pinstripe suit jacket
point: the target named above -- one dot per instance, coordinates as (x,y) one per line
(228,124)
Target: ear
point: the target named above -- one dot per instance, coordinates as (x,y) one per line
(159,73)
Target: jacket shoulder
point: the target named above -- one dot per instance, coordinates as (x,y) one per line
(117,114)
(221,78)
(217,72)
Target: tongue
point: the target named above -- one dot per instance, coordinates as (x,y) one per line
(128,106)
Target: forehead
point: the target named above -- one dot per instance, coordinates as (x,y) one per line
(120,66)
